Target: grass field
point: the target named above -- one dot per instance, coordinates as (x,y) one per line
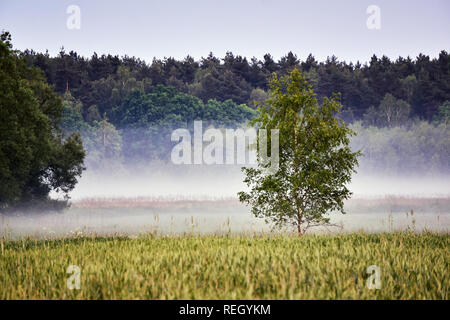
(413,266)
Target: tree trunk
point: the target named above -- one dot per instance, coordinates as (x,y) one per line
(296,168)
(299,222)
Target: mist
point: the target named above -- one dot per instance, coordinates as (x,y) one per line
(202,200)
(127,194)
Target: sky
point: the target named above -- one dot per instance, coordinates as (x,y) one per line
(168,28)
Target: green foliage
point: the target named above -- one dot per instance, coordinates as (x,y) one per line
(371,117)
(418,148)
(153,98)
(107,93)
(147,119)
(71,117)
(315,162)
(162,106)
(258,96)
(106,80)
(444,113)
(35,158)
(409,86)
(104,146)
(393,112)
(93,114)
(227,113)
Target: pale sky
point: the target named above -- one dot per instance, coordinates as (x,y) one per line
(163,28)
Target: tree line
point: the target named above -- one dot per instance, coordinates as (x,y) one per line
(381,92)
(125,108)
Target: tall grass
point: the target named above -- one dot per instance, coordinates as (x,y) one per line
(412,266)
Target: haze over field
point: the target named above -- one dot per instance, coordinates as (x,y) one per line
(212,182)
(127,198)
(202,200)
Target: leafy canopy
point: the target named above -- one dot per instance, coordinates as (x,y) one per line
(35,157)
(315,160)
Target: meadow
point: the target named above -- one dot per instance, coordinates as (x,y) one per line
(259,266)
(177,215)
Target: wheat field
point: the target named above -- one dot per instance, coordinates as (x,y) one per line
(412,266)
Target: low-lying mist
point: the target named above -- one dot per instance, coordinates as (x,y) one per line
(400,184)
(205,181)
(189,199)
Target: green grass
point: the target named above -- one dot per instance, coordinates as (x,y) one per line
(242,267)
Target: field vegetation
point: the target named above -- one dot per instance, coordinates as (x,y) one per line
(413,266)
